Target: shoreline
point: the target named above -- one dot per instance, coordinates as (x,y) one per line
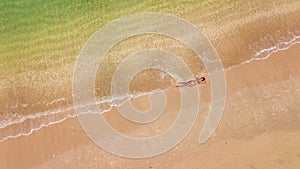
(24,118)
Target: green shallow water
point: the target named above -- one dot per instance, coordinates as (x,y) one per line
(31,30)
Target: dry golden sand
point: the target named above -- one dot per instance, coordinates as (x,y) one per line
(260,128)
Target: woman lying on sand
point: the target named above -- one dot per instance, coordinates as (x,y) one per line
(191,83)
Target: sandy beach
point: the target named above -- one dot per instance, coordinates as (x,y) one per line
(260,127)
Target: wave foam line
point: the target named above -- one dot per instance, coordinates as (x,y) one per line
(55,101)
(269,51)
(111,101)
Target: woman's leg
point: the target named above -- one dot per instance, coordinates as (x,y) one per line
(190,83)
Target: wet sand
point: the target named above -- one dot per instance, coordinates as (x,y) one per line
(260,128)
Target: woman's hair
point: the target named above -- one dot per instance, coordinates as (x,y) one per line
(200,79)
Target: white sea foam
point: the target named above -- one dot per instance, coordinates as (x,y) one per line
(55,101)
(17,119)
(19,105)
(267,52)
